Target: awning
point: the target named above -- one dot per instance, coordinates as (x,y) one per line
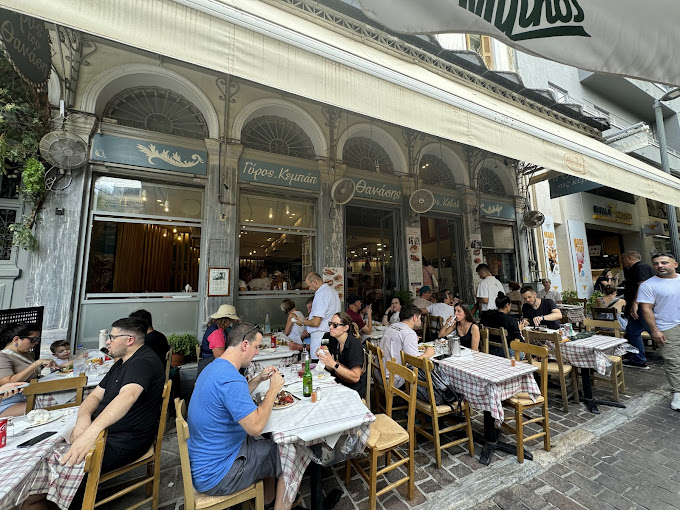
(274,47)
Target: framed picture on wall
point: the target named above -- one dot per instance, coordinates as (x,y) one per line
(218,281)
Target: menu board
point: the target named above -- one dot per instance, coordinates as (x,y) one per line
(415,259)
(335,277)
(580,258)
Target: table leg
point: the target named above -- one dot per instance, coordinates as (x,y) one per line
(588,399)
(491,442)
(318,501)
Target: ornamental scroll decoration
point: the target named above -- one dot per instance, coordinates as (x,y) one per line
(175,160)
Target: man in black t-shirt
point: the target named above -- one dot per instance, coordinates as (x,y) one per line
(127,401)
(154,339)
(539,312)
(635,272)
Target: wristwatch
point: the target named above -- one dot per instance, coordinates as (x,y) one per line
(337,365)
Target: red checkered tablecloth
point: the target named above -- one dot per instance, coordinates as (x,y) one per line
(487,380)
(592,352)
(574,313)
(52,399)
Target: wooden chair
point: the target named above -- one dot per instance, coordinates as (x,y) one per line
(68,383)
(606,312)
(368,370)
(516,307)
(194,500)
(613,328)
(93,469)
(522,401)
(386,436)
(151,459)
(556,368)
(168,359)
(439,323)
(198,353)
(501,333)
(378,361)
(435,412)
(483,340)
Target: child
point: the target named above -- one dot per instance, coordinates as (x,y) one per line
(61,350)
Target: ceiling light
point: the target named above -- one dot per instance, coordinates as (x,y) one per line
(271,213)
(292,214)
(165,234)
(379,249)
(159,201)
(353,251)
(365,249)
(287,210)
(379,244)
(144,195)
(174,230)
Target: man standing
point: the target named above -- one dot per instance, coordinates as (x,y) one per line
(156,340)
(635,272)
(127,401)
(425,298)
(224,422)
(547,293)
(659,299)
(355,312)
(488,290)
(326,304)
(402,337)
(442,308)
(539,312)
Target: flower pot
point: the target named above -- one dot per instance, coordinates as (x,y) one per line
(177,359)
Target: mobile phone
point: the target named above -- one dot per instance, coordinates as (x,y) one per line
(441,357)
(15,388)
(34,441)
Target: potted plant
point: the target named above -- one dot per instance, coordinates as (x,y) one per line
(182,345)
(405,295)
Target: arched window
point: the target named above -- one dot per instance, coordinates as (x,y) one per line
(157,109)
(490,183)
(434,172)
(271,133)
(365,154)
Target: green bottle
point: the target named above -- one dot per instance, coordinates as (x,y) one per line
(307,381)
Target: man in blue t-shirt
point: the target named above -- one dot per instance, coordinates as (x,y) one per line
(224,421)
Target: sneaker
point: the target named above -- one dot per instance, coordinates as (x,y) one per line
(675,404)
(633,364)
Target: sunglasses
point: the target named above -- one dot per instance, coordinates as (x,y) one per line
(336,324)
(33,339)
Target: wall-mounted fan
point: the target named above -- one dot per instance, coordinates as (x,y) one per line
(533,219)
(343,190)
(65,152)
(421,201)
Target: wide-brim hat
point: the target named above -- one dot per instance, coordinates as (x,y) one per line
(227,311)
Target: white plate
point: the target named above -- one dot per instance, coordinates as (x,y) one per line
(286,406)
(54,415)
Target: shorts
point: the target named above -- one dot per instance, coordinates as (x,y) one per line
(256,460)
(9,402)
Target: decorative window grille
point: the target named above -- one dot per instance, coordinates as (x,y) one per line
(365,154)
(434,172)
(7,217)
(157,109)
(490,183)
(271,133)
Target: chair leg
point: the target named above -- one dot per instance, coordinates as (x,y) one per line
(546,427)
(348,471)
(411,470)
(156,486)
(565,395)
(519,432)
(373,480)
(259,497)
(437,440)
(623,381)
(615,383)
(574,382)
(468,429)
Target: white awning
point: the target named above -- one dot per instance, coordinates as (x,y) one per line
(259,42)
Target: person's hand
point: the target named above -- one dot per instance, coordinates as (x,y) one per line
(294,346)
(11,389)
(81,426)
(659,337)
(76,454)
(537,320)
(429,351)
(42,363)
(268,372)
(449,322)
(523,324)
(294,320)
(276,382)
(633,310)
(304,334)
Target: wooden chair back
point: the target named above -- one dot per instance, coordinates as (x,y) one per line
(484,340)
(538,352)
(168,359)
(198,352)
(378,363)
(355,330)
(425,319)
(368,370)
(182,438)
(501,333)
(93,469)
(410,378)
(425,366)
(576,301)
(516,307)
(604,327)
(603,314)
(551,341)
(69,383)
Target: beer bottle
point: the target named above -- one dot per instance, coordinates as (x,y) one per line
(307,381)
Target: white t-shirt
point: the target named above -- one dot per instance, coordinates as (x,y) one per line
(394,318)
(326,304)
(440,310)
(242,285)
(551,294)
(664,294)
(489,287)
(297,330)
(398,337)
(260,284)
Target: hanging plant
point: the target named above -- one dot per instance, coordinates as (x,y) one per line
(24,119)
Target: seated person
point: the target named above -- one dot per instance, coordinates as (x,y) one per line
(425,298)
(215,336)
(442,308)
(261,280)
(464,325)
(154,339)
(344,356)
(539,312)
(17,340)
(224,422)
(514,295)
(391,315)
(611,300)
(292,330)
(61,352)
(501,318)
(360,317)
(127,401)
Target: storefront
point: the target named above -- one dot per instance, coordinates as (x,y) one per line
(499,239)
(656,228)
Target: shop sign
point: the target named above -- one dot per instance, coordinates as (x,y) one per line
(415,259)
(447,204)
(135,152)
(580,258)
(27,43)
(568,184)
(550,250)
(279,175)
(376,190)
(492,209)
(611,212)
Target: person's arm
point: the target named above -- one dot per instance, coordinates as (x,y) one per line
(447,327)
(368,327)
(254,423)
(86,410)
(633,309)
(386,316)
(112,413)
(554,315)
(647,311)
(289,324)
(313,322)
(29,371)
(474,343)
(217,342)
(599,303)
(10,390)
(266,373)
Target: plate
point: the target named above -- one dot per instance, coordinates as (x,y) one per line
(285,406)
(54,415)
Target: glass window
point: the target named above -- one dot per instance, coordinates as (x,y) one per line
(498,250)
(135,246)
(276,240)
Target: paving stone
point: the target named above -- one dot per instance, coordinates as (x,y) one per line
(586,499)
(584,483)
(556,482)
(562,502)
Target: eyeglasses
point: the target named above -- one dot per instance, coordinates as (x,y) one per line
(336,324)
(33,339)
(113,337)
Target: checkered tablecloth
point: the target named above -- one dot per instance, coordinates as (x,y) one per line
(574,313)
(593,352)
(59,397)
(487,380)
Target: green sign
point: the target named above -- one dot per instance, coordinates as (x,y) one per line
(492,209)
(130,151)
(568,184)
(447,204)
(377,190)
(280,175)
(27,43)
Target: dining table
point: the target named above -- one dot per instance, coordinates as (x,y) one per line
(334,428)
(95,373)
(574,313)
(36,469)
(485,381)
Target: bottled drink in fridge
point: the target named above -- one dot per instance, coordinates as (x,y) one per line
(267,325)
(307,381)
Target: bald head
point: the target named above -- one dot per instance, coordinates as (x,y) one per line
(314,281)
(630,258)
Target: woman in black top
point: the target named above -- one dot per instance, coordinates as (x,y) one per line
(345,355)
(500,318)
(605,279)
(464,325)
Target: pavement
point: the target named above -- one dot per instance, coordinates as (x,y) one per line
(622,458)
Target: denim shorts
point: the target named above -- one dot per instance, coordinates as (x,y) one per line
(9,402)
(256,460)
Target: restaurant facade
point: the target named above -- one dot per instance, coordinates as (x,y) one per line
(197,176)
